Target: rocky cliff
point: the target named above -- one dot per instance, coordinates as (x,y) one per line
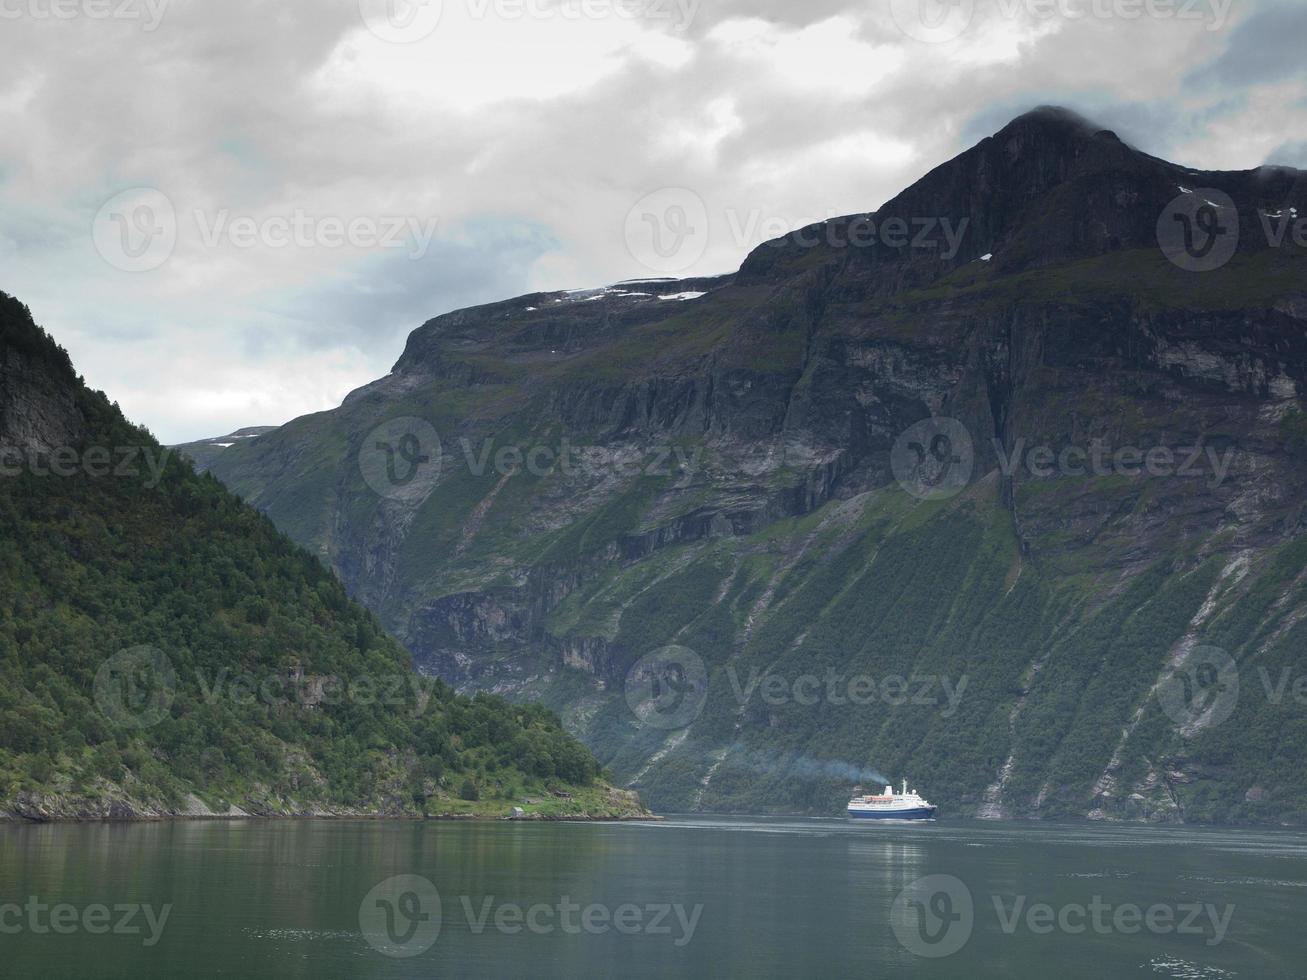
(38,410)
(1029,439)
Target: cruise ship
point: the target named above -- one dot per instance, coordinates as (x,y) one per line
(907,805)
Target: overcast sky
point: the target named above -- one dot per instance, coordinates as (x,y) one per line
(232,212)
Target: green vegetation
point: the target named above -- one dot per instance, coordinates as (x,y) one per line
(1054,670)
(1293,428)
(274,691)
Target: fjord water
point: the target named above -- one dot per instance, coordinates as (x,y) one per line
(779,897)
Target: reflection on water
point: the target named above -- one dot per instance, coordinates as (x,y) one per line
(775,897)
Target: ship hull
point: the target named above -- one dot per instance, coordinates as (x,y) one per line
(916,813)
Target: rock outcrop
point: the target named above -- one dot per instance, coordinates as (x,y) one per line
(719,473)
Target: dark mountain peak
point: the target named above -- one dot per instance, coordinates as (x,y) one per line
(1053,120)
(1036,152)
(1049,186)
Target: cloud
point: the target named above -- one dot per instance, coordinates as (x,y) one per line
(525,135)
(1289,155)
(1267,47)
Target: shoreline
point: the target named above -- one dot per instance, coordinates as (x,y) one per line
(9,819)
(599,803)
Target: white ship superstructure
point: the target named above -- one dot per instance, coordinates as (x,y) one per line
(907,805)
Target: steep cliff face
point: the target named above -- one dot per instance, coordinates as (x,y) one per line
(38,411)
(756,474)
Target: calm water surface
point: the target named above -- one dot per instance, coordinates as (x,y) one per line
(693,896)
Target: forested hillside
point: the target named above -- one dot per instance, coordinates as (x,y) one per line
(165,649)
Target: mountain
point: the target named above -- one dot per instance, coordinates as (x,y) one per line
(1029,438)
(165,650)
(203,452)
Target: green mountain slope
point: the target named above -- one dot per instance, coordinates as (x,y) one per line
(164,649)
(730,489)
(206,451)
